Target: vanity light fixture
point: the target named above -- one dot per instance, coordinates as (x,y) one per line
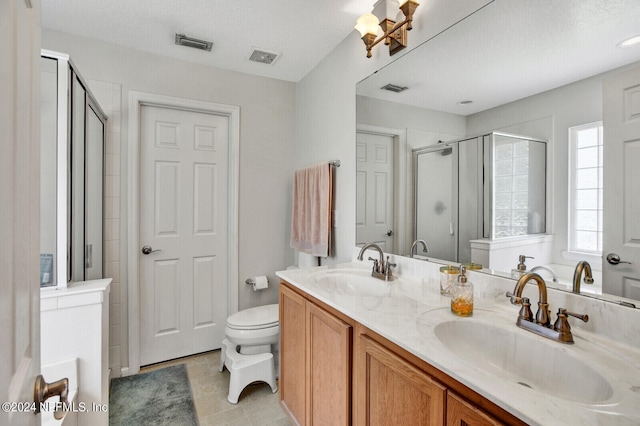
(395,34)
(631,41)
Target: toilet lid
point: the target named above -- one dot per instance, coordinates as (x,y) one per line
(255,318)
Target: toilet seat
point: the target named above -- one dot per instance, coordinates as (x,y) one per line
(257,318)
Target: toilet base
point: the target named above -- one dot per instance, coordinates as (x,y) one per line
(254,349)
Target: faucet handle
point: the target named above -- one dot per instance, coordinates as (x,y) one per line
(562,324)
(387,272)
(376,267)
(389,264)
(583,317)
(515,300)
(525,311)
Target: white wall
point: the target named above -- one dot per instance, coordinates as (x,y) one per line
(266,147)
(326,108)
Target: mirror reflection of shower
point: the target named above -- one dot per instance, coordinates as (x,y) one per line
(490,186)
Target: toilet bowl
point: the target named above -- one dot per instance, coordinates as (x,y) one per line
(254,330)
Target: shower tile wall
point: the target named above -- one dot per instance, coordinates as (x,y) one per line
(109,97)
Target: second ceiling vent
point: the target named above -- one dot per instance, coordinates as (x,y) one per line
(263,56)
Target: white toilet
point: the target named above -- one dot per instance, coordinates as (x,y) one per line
(254,329)
(252,338)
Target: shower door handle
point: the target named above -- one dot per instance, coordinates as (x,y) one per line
(148,250)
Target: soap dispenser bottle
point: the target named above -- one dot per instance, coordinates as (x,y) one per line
(521,269)
(462,295)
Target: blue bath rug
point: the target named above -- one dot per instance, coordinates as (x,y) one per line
(160,397)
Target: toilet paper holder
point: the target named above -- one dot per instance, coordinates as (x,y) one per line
(251,281)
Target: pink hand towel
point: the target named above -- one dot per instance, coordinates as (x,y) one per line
(312,205)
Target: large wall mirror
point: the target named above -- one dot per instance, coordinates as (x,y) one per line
(515,68)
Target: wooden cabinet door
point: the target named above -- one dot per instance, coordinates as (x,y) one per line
(391,391)
(329,353)
(461,413)
(293,370)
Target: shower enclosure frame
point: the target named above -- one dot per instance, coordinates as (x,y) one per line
(70,250)
(481,195)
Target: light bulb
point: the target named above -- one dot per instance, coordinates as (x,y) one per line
(367,24)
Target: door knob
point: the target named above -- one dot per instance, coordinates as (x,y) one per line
(44,391)
(614,259)
(389,232)
(148,250)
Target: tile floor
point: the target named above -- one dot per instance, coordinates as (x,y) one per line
(257,405)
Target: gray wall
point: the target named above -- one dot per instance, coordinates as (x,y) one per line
(266,147)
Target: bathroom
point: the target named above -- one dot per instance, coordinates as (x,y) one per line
(283,127)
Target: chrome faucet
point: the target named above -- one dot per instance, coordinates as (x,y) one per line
(560,331)
(381,269)
(425,249)
(582,266)
(554,276)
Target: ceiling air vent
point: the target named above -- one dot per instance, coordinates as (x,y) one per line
(183,40)
(394,88)
(263,56)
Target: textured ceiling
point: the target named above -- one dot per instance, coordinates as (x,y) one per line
(509,50)
(303,31)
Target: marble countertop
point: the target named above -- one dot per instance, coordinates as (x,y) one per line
(407,311)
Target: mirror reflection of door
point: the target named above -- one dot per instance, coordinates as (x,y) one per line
(374,190)
(621,185)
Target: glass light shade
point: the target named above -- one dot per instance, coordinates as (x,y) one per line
(367,24)
(404,1)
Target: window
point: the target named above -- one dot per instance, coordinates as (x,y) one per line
(585,188)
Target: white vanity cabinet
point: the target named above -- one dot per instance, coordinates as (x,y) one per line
(74,323)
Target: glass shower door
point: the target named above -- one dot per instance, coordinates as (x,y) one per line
(436,201)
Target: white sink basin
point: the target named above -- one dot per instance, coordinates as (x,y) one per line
(351,282)
(516,356)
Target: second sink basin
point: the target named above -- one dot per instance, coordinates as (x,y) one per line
(351,282)
(515,356)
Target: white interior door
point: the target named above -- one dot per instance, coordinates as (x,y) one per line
(374,190)
(622,185)
(183,221)
(20,211)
